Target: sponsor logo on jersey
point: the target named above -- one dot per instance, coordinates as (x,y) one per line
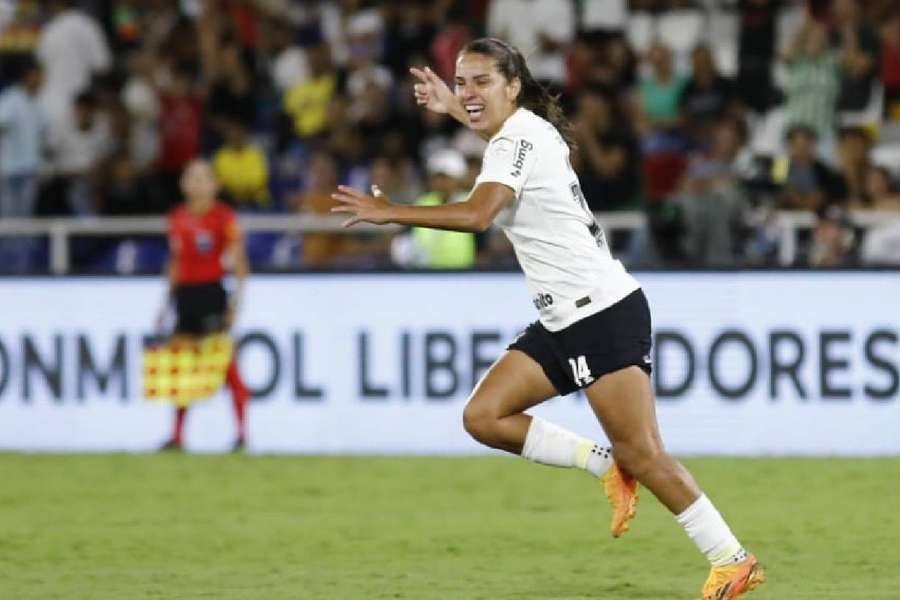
(522,150)
(542,300)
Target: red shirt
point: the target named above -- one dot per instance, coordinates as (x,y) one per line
(890,64)
(197,242)
(180,119)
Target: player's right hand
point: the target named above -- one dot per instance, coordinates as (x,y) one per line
(431,91)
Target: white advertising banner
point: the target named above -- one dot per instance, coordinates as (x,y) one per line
(744,363)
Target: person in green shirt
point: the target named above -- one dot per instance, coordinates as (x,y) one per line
(437,248)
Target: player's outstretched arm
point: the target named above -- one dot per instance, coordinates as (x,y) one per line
(433,93)
(475,214)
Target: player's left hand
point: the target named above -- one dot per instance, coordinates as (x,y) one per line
(371,209)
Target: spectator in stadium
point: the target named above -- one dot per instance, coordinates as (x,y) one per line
(322,249)
(437,248)
(231,89)
(288,64)
(853,164)
(881,191)
(659,93)
(306,104)
(72,50)
(608,156)
(180,123)
(204,240)
(858,43)
(140,98)
(409,29)
(803,181)
(889,68)
(834,240)
(713,199)
(78,146)
(707,97)
(812,80)
(527,184)
(545,27)
(241,168)
(756,52)
(366,41)
(22,129)
(399,177)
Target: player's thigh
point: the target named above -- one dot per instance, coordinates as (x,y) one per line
(625,406)
(513,384)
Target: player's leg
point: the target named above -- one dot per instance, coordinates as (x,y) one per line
(495,416)
(239,397)
(177,439)
(624,403)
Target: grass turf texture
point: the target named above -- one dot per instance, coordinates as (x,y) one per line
(224,527)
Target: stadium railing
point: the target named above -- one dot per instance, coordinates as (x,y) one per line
(60,230)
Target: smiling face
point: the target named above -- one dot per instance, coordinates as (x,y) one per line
(488,97)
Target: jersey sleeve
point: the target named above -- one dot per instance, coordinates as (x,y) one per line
(231,229)
(508,160)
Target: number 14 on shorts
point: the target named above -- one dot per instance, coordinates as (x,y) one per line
(580,370)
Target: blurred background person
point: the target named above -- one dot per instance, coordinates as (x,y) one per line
(242,169)
(834,240)
(802,180)
(205,240)
(812,72)
(713,199)
(78,145)
(22,130)
(437,248)
(72,50)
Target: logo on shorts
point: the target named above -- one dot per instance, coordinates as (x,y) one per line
(647,360)
(542,300)
(524,148)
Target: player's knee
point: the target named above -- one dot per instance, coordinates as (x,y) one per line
(637,458)
(479,422)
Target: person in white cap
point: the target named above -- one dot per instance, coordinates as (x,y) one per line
(593,331)
(438,248)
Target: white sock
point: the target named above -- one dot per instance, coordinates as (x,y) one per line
(710,533)
(550,444)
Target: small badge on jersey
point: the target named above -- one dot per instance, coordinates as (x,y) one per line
(203,241)
(502,146)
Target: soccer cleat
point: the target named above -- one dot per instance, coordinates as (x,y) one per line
(622,491)
(172,445)
(730,581)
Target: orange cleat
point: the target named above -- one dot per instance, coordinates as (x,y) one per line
(730,581)
(622,491)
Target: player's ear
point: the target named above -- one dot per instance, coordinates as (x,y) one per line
(513,88)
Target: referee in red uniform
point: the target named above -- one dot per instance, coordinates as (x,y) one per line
(204,241)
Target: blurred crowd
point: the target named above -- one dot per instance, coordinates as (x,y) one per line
(710,118)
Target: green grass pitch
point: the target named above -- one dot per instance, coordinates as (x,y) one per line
(339,528)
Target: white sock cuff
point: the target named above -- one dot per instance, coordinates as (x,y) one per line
(537,432)
(698,507)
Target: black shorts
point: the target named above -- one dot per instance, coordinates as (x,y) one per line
(201,308)
(612,339)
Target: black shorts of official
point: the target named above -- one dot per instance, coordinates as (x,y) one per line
(201,308)
(612,339)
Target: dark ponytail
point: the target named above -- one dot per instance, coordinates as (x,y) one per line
(533,96)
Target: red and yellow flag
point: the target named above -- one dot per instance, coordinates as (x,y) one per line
(185,371)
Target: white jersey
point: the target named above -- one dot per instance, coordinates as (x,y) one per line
(560,247)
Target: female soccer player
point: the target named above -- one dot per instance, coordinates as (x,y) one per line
(203,235)
(593,330)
